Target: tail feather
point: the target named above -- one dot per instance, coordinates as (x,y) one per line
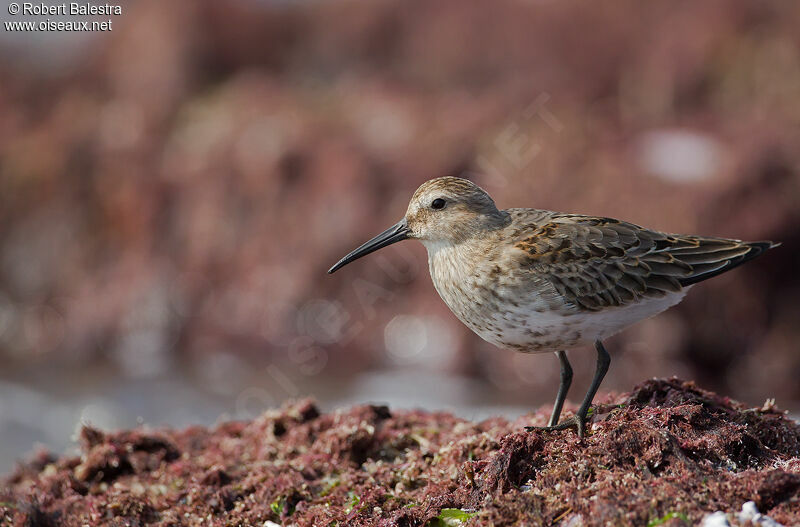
(714,265)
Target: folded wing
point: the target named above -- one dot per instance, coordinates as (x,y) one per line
(596,262)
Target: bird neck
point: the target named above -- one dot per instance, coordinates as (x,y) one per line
(452,262)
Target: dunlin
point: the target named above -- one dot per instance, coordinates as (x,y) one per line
(539,281)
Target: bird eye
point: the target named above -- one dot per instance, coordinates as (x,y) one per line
(438,203)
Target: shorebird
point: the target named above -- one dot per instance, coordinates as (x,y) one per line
(539,281)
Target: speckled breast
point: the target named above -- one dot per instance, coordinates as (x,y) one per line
(501,308)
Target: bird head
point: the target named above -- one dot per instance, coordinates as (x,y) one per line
(443,211)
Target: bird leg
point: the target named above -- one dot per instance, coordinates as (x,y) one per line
(579,421)
(563,387)
(603,362)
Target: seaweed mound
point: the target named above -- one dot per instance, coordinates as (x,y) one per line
(668,453)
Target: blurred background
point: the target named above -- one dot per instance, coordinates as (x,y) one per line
(173,191)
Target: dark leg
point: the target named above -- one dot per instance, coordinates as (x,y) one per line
(579,421)
(563,387)
(603,361)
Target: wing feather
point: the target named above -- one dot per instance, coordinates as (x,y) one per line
(596,262)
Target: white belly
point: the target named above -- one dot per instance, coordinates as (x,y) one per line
(529,331)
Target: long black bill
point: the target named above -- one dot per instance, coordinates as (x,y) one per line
(395,233)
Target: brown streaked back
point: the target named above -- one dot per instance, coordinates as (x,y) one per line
(597,262)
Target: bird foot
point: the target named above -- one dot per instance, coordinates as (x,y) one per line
(576,423)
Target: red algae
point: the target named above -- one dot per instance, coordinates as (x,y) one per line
(667,453)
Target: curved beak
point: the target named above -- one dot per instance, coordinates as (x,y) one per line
(395,233)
